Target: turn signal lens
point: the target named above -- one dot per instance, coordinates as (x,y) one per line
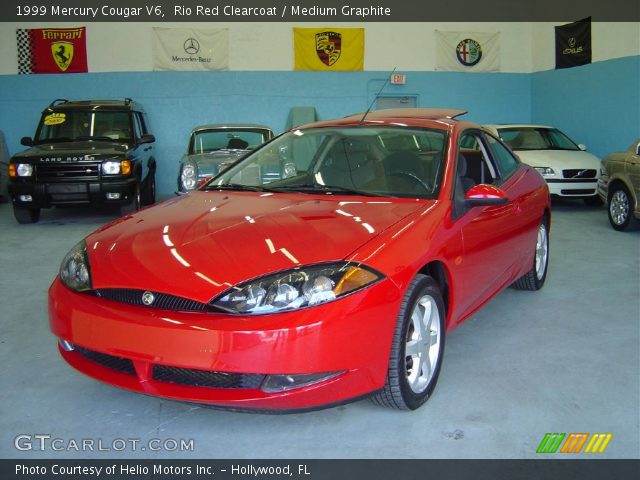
(125,167)
(12,170)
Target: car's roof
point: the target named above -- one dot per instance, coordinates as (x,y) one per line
(124,104)
(411,117)
(516,125)
(231,126)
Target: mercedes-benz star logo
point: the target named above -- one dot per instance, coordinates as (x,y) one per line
(191,46)
(148,298)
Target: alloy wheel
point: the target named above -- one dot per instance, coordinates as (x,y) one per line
(422,348)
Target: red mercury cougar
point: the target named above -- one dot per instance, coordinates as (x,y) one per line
(324,267)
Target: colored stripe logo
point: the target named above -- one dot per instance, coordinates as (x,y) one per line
(574,443)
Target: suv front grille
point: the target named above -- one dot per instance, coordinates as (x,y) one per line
(161,300)
(61,172)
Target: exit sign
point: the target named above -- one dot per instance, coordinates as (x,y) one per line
(398,79)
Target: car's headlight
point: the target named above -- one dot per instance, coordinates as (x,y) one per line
(297,288)
(24,169)
(113,167)
(189,176)
(545,171)
(74,270)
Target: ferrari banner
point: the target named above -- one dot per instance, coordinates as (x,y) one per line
(190,49)
(468,51)
(337,49)
(52,50)
(573,44)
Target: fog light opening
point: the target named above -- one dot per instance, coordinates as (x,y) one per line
(284,383)
(26,198)
(113,196)
(66,346)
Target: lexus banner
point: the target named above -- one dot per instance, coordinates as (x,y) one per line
(573,44)
(52,50)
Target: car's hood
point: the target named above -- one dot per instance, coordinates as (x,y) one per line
(198,245)
(72,151)
(559,159)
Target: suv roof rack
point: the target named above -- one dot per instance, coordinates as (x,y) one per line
(127,101)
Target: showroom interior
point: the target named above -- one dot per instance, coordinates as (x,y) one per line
(563,359)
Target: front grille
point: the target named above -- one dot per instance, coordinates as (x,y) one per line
(584,191)
(205,378)
(578,173)
(161,300)
(119,364)
(60,172)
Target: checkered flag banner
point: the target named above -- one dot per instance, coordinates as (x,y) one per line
(51,50)
(25,51)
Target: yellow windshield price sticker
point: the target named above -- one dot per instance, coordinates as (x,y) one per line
(54,119)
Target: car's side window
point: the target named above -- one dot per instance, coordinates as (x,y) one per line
(506,162)
(474,165)
(137,126)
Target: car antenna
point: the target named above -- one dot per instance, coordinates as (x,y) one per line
(377,95)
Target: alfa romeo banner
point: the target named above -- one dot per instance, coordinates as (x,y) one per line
(573,44)
(52,50)
(468,51)
(190,49)
(337,49)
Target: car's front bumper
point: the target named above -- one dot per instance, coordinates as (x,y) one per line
(351,336)
(578,188)
(45,195)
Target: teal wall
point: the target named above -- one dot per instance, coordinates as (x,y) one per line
(582,101)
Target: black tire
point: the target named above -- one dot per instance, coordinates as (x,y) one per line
(133,205)
(620,208)
(594,201)
(534,278)
(26,215)
(149,196)
(400,390)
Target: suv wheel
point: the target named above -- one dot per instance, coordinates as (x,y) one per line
(133,205)
(150,190)
(26,215)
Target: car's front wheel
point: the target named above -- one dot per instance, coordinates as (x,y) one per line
(534,278)
(417,347)
(26,215)
(620,208)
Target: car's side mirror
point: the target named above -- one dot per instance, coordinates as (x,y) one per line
(484,195)
(26,141)
(582,147)
(148,138)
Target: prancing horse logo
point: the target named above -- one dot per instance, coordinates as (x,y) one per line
(328,47)
(148,298)
(62,53)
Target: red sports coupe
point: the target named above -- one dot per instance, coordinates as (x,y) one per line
(324,267)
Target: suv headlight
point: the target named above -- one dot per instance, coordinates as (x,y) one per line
(24,169)
(297,288)
(74,270)
(189,176)
(113,167)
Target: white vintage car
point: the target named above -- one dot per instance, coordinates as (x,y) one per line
(569,170)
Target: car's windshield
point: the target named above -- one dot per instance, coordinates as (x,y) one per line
(368,160)
(73,125)
(536,138)
(203,141)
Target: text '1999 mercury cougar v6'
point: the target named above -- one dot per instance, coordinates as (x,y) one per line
(335,277)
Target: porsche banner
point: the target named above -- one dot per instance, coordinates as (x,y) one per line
(468,51)
(52,50)
(190,49)
(337,49)
(573,44)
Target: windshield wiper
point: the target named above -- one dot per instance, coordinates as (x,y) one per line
(317,188)
(238,187)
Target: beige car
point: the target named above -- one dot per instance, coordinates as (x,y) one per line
(619,186)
